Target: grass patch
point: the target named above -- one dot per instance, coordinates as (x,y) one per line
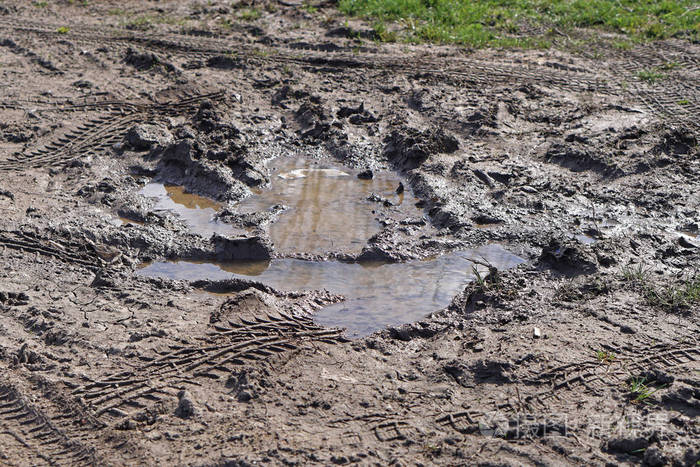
(249,14)
(63,30)
(309,8)
(510,22)
(604,356)
(635,273)
(679,296)
(640,391)
(651,76)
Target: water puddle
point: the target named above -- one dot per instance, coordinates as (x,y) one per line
(377,294)
(197,211)
(328,207)
(585,239)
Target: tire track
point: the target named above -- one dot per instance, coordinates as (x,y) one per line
(98,135)
(590,376)
(37,433)
(65,251)
(620,79)
(214,357)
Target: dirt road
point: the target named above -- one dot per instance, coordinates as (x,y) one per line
(585,351)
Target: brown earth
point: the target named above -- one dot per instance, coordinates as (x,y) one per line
(570,160)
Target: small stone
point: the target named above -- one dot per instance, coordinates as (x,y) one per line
(537,333)
(484,177)
(400,188)
(83,83)
(118,413)
(528,189)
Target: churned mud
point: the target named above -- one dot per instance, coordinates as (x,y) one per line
(236,243)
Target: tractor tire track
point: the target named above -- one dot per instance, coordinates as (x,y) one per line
(55,248)
(37,433)
(98,135)
(620,80)
(591,376)
(215,357)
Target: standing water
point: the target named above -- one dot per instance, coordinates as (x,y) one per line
(377,294)
(328,208)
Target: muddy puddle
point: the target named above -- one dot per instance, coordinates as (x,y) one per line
(377,294)
(328,208)
(196,211)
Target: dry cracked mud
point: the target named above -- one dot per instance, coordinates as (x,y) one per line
(583,348)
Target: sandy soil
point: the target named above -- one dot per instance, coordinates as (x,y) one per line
(569,160)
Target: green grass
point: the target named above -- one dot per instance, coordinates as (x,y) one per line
(508,22)
(640,391)
(678,296)
(309,8)
(650,76)
(249,14)
(604,356)
(635,273)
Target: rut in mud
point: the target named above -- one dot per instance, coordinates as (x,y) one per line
(277,245)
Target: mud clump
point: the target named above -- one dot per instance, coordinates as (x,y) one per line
(483,371)
(144,61)
(141,61)
(358,115)
(251,301)
(252,248)
(581,159)
(568,258)
(365,175)
(410,148)
(209,157)
(14,298)
(627,445)
(224,62)
(183,163)
(677,141)
(315,123)
(144,137)
(186,407)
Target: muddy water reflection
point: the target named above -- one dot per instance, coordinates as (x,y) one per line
(197,211)
(327,206)
(378,294)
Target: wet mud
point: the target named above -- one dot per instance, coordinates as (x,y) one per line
(274,241)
